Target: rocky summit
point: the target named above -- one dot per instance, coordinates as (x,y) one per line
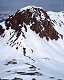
(38,20)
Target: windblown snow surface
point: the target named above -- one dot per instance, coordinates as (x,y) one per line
(33,58)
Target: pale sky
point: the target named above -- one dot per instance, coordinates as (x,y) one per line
(54,5)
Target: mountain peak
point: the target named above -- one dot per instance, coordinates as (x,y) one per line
(32,44)
(38,21)
(30,7)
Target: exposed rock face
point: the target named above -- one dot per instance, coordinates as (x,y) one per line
(1,30)
(38,20)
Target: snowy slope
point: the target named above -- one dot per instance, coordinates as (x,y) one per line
(31,57)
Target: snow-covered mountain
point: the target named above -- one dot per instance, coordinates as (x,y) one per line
(32,45)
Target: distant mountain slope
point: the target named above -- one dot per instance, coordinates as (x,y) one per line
(32,45)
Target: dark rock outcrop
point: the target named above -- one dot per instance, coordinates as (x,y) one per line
(39,20)
(1,30)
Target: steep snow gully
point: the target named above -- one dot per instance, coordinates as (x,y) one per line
(32,45)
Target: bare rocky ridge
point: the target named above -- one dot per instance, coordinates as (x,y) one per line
(38,20)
